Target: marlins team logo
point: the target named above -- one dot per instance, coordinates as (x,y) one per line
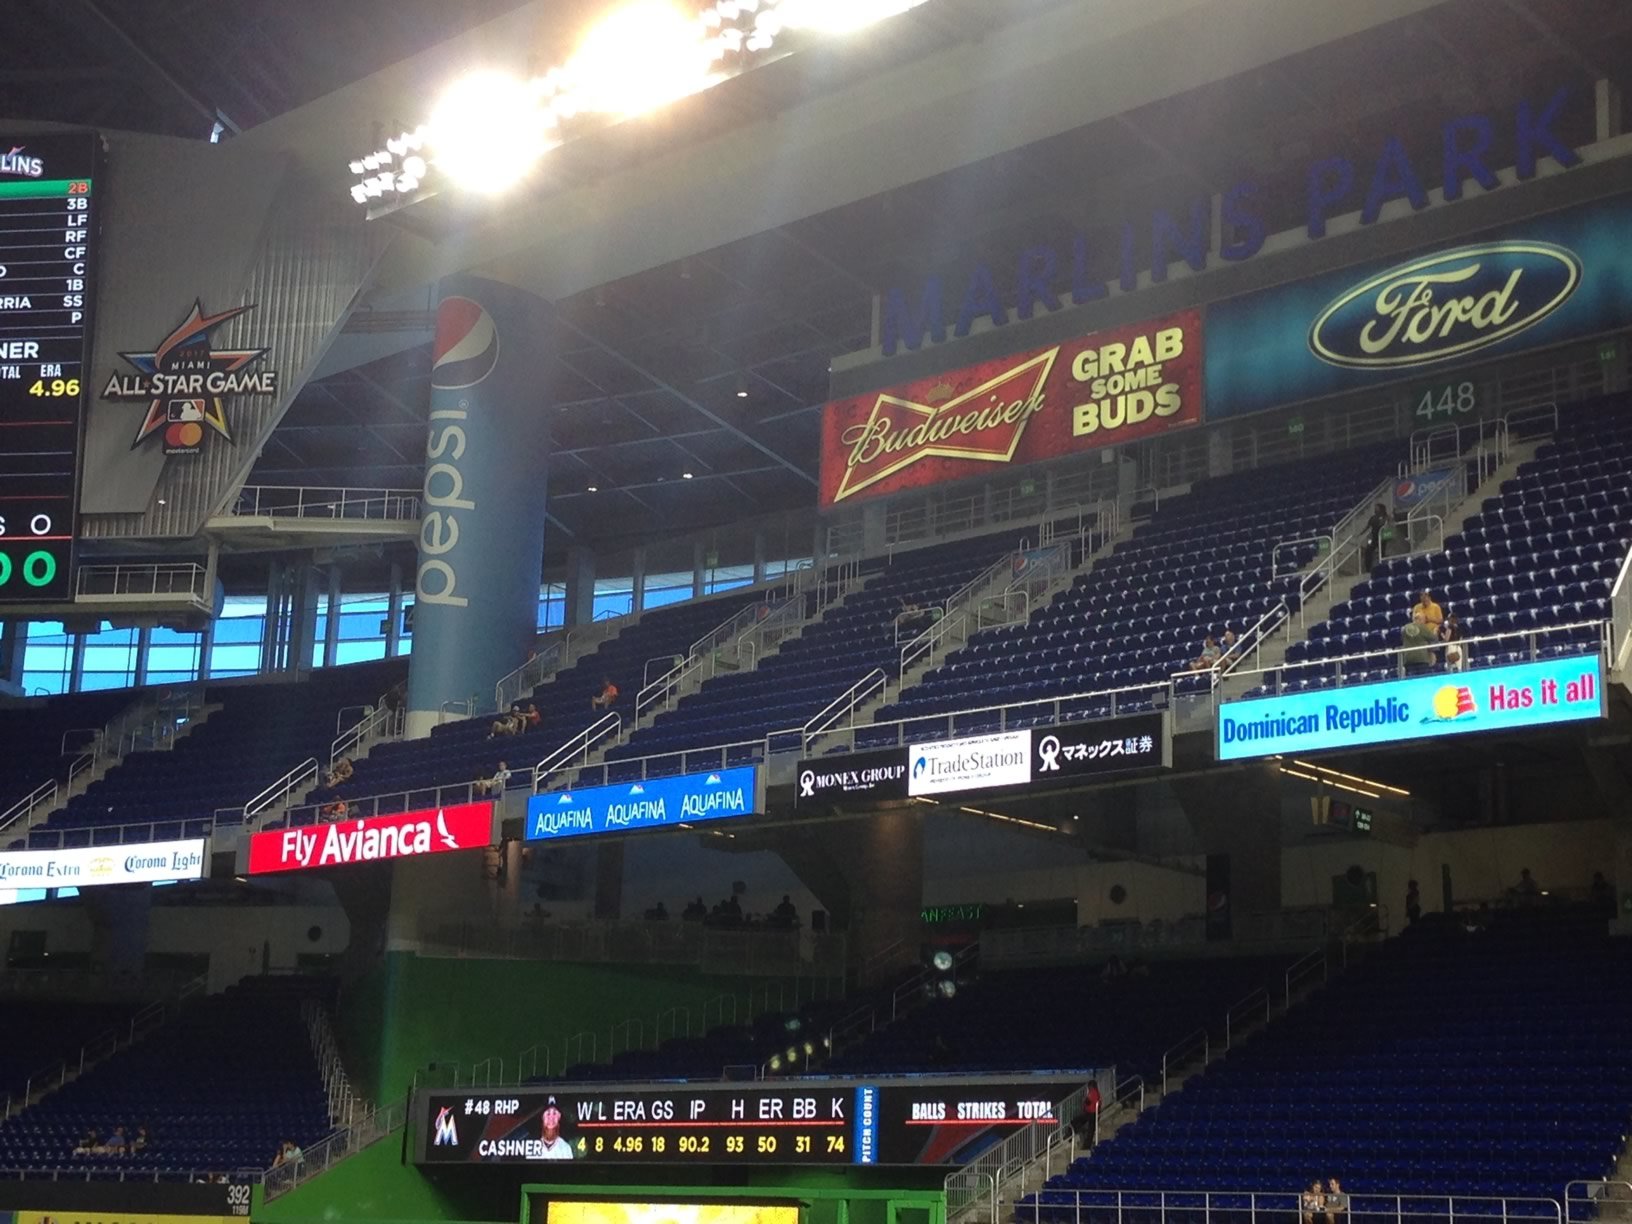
(467,345)
(185,382)
(21,163)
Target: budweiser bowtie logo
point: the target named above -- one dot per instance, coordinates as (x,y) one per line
(984,424)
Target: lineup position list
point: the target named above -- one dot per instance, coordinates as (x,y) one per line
(46,223)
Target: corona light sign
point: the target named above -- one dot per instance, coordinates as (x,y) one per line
(1105,389)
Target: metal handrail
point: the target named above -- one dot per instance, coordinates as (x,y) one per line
(45,792)
(608,725)
(1303,969)
(306,771)
(326,501)
(366,1131)
(1242,1005)
(381,722)
(1275,552)
(926,642)
(846,702)
(91,581)
(1183,1051)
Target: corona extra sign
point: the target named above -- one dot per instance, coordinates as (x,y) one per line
(1108,388)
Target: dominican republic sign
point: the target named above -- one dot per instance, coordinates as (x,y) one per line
(1556,278)
(1506,698)
(464,826)
(1105,389)
(652,803)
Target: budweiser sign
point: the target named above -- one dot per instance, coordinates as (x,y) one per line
(1111,387)
(465,826)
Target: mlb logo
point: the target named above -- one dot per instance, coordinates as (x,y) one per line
(178,410)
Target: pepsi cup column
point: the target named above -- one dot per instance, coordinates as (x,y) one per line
(481,533)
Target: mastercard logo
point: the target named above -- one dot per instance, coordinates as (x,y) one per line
(1453,701)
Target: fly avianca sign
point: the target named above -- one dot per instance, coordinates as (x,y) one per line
(465,826)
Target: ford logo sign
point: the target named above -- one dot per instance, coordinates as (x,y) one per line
(1445,305)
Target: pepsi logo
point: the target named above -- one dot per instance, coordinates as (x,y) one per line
(467,345)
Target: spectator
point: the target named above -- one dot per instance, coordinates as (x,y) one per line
(1086,1123)
(1313,1203)
(88,1143)
(335,811)
(1228,642)
(117,1144)
(1603,892)
(1432,613)
(139,1144)
(1209,656)
(785,915)
(1456,655)
(1413,901)
(342,771)
(1418,640)
(658,913)
(508,724)
(496,784)
(1376,527)
(695,911)
(608,694)
(533,717)
(1526,889)
(289,1153)
(1337,1203)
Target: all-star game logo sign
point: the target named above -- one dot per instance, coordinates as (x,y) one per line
(185,382)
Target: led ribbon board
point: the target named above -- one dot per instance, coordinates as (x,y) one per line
(46,235)
(1509,698)
(651,803)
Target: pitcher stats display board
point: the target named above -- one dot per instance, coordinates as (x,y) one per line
(906,1121)
(47,219)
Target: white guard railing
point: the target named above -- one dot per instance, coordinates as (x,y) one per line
(576,751)
(532,673)
(302,775)
(104,581)
(43,794)
(297,501)
(381,723)
(330,811)
(344,1103)
(1281,1207)
(1049,1140)
(1620,612)
(874,684)
(939,640)
(348,1140)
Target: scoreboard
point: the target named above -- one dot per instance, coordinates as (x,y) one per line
(899,1121)
(47,223)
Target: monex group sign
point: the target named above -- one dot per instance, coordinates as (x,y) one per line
(1078,751)
(1506,698)
(649,803)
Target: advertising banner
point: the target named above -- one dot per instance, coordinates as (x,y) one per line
(977,762)
(1506,698)
(654,803)
(1104,389)
(1101,749)
(852,775)
(464,826)
(1540,282)
(89,866)
(930,1121)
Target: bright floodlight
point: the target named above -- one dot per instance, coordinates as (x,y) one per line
(641,56)
(488,130)
(839,16)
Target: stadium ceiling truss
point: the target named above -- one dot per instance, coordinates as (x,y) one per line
(650,368)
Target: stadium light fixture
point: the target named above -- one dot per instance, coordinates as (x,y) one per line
(638,58)
(488,131)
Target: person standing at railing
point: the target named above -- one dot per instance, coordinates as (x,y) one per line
(1456,654)
(1418,640)
(1376,527)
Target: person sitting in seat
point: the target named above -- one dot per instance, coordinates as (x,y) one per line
(696,910)
(88,1143)
(532,717)
(1432,613)
(508,724)
(608,694)
(342,771)
(496,784)
(140,1142)
(1526,890)
(1312,1204)
(338,810)
(1337,1203)
(1227,643)
(117,1144)
(1209,656)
